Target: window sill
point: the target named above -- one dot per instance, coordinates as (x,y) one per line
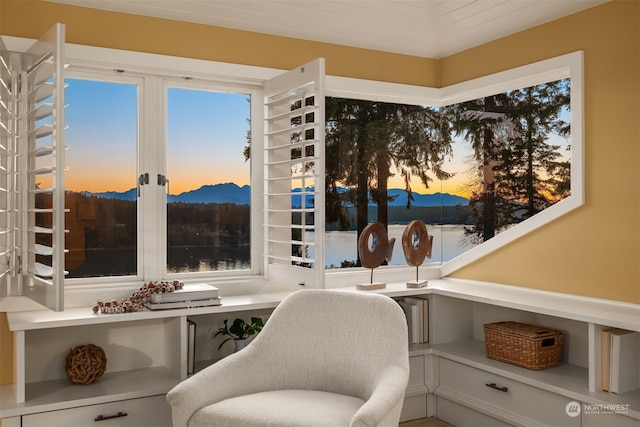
(612,313)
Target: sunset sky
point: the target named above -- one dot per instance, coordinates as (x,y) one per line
(206,135)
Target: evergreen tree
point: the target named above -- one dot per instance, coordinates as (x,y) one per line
(365,141)
(518,172)
(533,174)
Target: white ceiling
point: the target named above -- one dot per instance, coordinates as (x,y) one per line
(426,28)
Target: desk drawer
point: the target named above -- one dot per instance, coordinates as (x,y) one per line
(149,411)
(502,398)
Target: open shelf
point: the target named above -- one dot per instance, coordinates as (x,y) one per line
(147,352)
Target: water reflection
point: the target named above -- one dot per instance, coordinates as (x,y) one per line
(342,245)
(208,258)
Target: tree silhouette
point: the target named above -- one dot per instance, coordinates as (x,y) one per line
(518,171)
(365,141)
(480,122)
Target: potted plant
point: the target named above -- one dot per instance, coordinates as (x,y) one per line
(239,331)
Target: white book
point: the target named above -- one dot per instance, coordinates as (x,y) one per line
(424,302)
(625,361)
(183,304)
(190,292)
(413,311)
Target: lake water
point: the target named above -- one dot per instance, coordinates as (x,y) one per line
(342,245)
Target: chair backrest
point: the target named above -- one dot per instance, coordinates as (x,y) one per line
(332,340)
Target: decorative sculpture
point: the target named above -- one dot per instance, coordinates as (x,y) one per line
(416,245)
(372,256)
(85,364)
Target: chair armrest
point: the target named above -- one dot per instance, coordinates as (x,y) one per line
(239,372)
(385,403)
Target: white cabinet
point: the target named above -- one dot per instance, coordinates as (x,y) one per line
(146,356)
(144,412)
(143,359)
(503,398)
(415,402)
(475,390)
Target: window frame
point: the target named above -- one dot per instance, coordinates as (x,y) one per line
(255,179)
(569,65)
(152,158)
(565,66)
(112,76)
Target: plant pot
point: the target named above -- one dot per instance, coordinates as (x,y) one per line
(239,345)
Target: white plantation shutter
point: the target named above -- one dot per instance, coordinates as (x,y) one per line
(32,217)
(7,132)
(294,176)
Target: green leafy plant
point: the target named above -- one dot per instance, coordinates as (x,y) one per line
(239,329)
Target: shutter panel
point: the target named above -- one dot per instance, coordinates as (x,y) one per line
(294,176)
(33,223)
(7,135)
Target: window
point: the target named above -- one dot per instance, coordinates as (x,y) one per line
(561,175)
(209,206)
(159,107)
(390,163)
(469,170)
(101,178)
(195,163)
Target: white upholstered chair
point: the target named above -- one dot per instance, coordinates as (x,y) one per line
(324,358)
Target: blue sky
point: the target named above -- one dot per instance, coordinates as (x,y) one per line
(206,134)
(101,136)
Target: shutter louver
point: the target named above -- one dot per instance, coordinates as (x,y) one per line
(7,137)
(294,175)
(32,219)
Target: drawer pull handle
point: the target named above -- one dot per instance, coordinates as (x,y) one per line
(108,417)
(493,385)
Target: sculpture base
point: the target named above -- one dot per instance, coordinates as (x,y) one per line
(417,284)
(371,286)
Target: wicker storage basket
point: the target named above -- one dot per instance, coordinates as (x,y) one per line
(532,347)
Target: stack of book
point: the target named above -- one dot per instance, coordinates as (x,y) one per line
(416,309)
(619,356)
(190,296)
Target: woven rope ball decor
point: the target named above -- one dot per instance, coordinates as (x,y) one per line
(85,364)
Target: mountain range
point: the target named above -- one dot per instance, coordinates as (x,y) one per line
(232,193)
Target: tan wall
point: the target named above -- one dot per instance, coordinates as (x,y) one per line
(6,353)
(593,251)
(94,27)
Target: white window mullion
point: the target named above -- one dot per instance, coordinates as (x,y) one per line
(152,251)
(257,182)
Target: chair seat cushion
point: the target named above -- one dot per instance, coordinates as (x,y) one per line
(280,408)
